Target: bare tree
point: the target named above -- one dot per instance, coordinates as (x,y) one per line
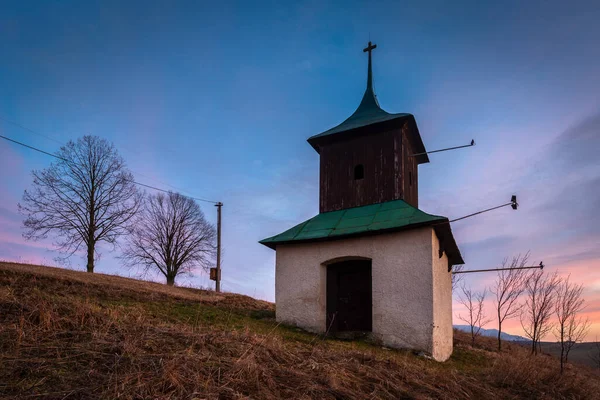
(456,277)
(570,327)
(86,197)
(170,236)
(475,317)
(540,292)
(507,289)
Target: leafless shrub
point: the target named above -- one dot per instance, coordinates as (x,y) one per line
(540,292)
(457,278)
(507,289)
(570,327)
(86,197)
(170,236)
(475,317)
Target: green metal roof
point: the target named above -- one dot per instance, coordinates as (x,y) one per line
(369,112)
(375,218)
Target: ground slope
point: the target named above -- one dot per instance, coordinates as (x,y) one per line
(66,334)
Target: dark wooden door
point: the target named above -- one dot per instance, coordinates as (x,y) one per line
(349,297)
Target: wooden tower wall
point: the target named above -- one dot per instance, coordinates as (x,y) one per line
(389,171)
(409,174)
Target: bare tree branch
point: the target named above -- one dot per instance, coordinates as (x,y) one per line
(86,197)
(170,236)
(457,278)
(507,289)
(475,317)
(570,328)
(540,290)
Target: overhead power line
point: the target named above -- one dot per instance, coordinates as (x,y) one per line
(33,148)
(120,147)
(30,130)
(69,161)
(218,204)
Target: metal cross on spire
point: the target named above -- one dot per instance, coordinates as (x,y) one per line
(369,49)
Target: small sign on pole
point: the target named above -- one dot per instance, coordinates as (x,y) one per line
(214,274)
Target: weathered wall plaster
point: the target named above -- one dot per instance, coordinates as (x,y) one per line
(412,295)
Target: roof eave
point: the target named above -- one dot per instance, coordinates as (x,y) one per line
(317,140)
(441,228)
(422,158)
(448,243)
(273,245)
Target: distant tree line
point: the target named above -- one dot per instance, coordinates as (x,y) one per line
(544,303)
(89,196)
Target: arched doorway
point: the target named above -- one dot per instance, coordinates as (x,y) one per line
(349,296)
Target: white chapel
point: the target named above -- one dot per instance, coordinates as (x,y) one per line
(371,262)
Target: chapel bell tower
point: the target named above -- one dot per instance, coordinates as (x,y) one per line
(372,157)
(371,262)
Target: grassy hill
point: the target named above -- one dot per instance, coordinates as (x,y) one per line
(580,353)
(72,335)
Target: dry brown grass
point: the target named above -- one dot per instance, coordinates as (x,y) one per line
(65,334)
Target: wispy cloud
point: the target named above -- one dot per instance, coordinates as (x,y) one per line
(562,226)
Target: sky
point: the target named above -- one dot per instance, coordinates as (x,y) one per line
(216,100)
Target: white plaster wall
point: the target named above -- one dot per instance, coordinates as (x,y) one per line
(300,287)
(403,287)
(442,304)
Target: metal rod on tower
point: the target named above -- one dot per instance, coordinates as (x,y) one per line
(541,266)
(513,203)
(218,274)
(449,148)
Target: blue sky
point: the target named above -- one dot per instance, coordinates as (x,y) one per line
(218,99)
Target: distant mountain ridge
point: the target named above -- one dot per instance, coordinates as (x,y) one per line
(493,333)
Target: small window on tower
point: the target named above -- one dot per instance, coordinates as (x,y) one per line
(410,178)
(359,172)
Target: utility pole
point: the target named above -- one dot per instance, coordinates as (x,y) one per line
(218,274)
